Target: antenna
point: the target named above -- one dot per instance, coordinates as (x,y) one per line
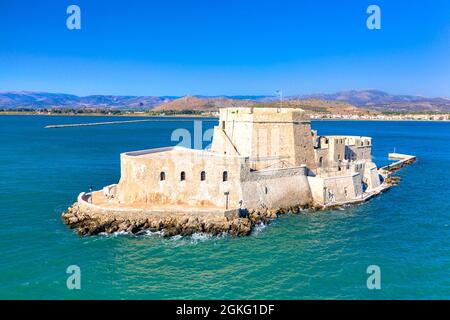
(280,93)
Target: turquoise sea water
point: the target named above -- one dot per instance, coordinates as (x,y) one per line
(321,255)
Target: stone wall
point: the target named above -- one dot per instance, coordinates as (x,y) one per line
(276,188)
(340,189)
(371,176)
(141,181)
(270,137)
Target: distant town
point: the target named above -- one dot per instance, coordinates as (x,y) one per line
(215,114)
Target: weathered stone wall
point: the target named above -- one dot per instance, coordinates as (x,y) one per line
(334,152)
(141,183)
(371,176)
(276,188)
(270,137)
(339,189)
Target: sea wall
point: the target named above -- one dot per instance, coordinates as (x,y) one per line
(266,135)
(190,177)
(339,189)
(276,188)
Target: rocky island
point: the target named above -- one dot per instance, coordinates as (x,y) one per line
(262,162)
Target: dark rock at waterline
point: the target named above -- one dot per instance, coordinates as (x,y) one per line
(86,222)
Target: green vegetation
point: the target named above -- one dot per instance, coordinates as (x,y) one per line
(101,111)
(65,111)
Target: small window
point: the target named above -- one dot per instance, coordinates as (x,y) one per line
(202,176)
(320,161)
(225,176)
(183,176)
(162,176)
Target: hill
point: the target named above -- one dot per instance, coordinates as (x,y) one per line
(381,101)
(318,106)
(202,104)
(341,102)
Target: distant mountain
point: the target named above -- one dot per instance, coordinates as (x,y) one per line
(373,100)
(37,100)
(382,101)
(34,99)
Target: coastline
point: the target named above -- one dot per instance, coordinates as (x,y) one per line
(2,113)
(199,116)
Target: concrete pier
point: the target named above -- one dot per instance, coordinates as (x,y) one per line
(403,160)
(58,126)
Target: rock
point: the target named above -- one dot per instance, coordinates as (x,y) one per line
(86,222)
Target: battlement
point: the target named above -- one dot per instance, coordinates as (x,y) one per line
(261,114)
(271,137)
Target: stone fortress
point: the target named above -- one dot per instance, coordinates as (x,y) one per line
(262,161)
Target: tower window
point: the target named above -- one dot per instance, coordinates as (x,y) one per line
(183,176)
(162,176)
(202,176)
(225,176)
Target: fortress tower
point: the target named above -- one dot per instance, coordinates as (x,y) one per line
(270,137)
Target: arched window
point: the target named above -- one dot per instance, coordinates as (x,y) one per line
(182,176)
(202,176)
(162,176)
(225,176)
(320,161)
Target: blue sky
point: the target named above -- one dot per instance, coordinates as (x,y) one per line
(231,47)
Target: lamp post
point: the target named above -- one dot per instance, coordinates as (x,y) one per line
(226,199)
